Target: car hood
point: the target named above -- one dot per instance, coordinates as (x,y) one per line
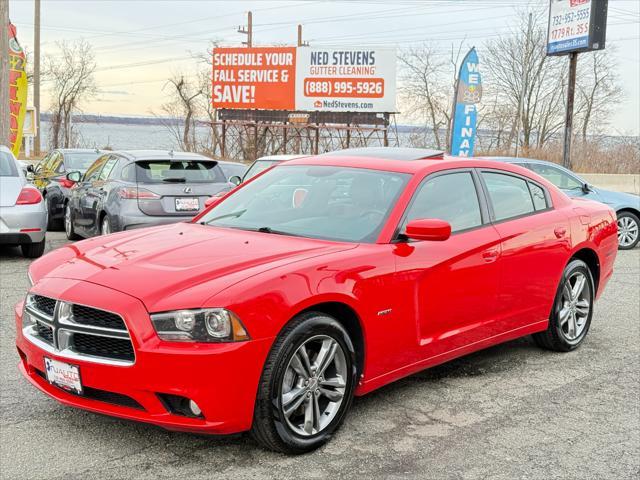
(160,263)
(619,199)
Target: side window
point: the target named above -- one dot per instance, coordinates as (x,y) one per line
(43,166)
(538,196)
(93,171)
(128,173)
(556,176)
(451,197)
(509,195)
(108,167)
(57,164)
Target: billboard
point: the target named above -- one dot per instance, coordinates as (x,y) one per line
(468,95)
(304,78)
(576,26)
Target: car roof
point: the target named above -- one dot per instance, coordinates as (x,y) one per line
(280,158)
(388,153)
(138,155)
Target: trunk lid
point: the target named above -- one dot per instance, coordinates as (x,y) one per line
(10,188)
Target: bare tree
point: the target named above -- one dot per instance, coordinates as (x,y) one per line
(598,90)
(423,90)
(72,81)
(183,111)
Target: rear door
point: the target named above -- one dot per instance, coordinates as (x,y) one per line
(178,188)
(83,196)
(535,239)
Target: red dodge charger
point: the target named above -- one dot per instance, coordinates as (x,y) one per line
(323,278)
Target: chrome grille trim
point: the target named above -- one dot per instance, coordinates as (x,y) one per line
(65,328)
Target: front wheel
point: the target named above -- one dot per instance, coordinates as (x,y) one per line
(572,310)
(68,224)
(306,386)
(628,230)
(105,227)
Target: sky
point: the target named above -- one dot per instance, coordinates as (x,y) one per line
(139,44)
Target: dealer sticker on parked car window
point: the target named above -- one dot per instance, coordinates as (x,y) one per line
(187,204)
(63,375)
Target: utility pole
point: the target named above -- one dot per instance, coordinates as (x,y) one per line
(568,121)
(525,81)
(301,43)
(36,76)
(4,73)
(248,31)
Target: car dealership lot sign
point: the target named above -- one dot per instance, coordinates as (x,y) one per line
(304,78)
(576,26)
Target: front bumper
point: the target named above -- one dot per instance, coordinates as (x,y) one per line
(23,224)
(221,378)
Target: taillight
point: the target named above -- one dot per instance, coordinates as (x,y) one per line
(137,193)
(66,183)
(29,196)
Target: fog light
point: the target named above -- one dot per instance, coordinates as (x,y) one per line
(195,409)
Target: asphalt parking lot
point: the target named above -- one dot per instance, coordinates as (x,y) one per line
(512,411)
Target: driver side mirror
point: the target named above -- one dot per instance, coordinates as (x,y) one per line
(74,176)
(431,229)
(30,169)
(585,188)
(236,180)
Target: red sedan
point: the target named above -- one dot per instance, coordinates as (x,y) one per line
(323,278)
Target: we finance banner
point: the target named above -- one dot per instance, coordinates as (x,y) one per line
(304,78)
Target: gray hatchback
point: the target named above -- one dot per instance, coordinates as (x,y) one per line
(132,189)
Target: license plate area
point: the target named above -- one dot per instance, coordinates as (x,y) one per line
(63,375)
(187,204)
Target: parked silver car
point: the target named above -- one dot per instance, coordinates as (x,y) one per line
(626,205)
(132,189)
(23,215)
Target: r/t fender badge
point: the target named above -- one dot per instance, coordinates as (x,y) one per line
(384,312)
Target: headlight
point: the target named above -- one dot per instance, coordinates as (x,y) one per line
(203,325)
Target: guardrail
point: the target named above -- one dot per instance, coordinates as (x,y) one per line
(629,183)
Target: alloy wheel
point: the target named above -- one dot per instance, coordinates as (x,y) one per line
(627,231)
(575,306)
(106,226)
(67,221)
(313,386)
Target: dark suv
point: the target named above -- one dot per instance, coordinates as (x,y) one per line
(49,177)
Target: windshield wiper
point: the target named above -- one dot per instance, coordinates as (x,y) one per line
(175,180)
(228,215)
(276,232)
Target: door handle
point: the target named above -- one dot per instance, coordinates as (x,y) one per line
(560,232)
(490,255)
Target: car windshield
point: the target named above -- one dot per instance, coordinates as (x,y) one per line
(80,161)
(326,202)
(7,165)
(259,166)
(171,171)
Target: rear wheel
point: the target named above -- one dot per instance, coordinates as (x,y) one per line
(306,386)
(628,230)
(572,310)
(68,224)
(33,250)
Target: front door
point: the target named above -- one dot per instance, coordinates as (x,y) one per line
(450,287)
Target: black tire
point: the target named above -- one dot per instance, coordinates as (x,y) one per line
(270,429)
(68,229)
(33,250)
(53,224)
(629,217)
(554,337)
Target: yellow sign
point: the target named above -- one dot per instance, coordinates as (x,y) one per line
(17,90)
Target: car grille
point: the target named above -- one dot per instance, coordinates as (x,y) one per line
(103,346)
(78,331)
(44,304)
(97,318)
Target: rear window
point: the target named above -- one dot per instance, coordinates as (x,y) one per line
(166,171)
(7,165)
(79,161)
